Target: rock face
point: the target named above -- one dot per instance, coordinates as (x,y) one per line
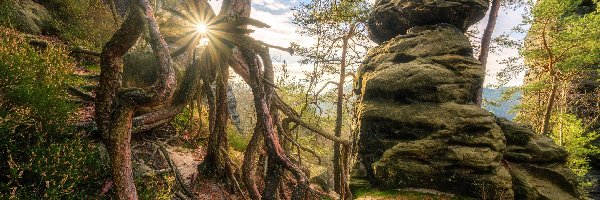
(536,164)
(30,17)
(419,125)
(391,18)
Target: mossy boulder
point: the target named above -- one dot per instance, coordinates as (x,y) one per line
(433,145)
(524,145)
(419,124)
(536,164)
(26,16)
(543,181)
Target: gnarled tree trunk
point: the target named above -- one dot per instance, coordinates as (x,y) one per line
(115,105)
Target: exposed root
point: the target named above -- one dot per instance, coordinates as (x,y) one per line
(173,167)
(231,174)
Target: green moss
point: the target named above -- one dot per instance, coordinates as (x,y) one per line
(403,195)
(82,23)
(155,187)
(86,23)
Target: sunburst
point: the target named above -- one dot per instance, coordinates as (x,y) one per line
(201,28)
(199,20)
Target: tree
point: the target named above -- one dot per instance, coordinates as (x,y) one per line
(115,105)
(228,46)
(339,28)
(561,44)
(486,40)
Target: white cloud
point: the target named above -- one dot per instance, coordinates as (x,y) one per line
(271,4)
(281,33)
(216,5)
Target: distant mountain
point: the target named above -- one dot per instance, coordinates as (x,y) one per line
(503,108)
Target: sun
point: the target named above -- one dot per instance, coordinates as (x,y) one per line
(201,28)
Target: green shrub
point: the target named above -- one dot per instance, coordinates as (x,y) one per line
(40,155)
(155,187)
(570,133)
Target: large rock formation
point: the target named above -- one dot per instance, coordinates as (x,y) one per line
(419,126)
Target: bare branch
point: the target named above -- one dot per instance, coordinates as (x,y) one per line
(286,49)
(324,86)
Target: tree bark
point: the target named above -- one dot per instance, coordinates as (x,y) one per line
(249,164)
(120,152)
(548,113)
(111,116)
(215,161)
(115,106)
(339,182)
(275,151)
(111,63)
(486,41)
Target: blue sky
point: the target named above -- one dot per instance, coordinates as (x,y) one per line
(279,15)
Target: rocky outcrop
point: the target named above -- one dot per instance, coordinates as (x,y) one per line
(391,18)
(536,164)
(419,125)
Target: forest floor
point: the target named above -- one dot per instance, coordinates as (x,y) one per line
(185,159)
(148,160)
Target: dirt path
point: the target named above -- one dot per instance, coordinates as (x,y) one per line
(187,161)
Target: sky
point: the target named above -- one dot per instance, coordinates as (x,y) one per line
(279,14)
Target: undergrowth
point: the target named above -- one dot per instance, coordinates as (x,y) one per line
(41,155)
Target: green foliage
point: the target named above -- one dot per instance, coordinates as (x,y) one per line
(563,43)
(562,37)
(570,133)
(183,120)
(8,13)
(237,141)
(40,155)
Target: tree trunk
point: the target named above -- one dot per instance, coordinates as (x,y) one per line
(275,151)
(215,162)
(115,106)
(249,165)
(120,152)
(111,63)
(273,181)
(112,117)
(548,113)
(339,184)
(486,41)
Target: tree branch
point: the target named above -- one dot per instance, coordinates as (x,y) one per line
(81,94)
